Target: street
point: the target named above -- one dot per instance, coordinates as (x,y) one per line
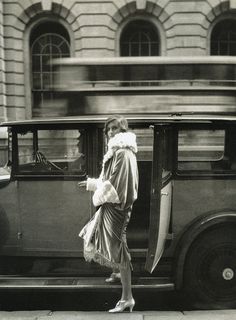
(91,306)
(145,315)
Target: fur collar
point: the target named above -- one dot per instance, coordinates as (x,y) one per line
(122,140)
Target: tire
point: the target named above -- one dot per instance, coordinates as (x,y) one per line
(210,270)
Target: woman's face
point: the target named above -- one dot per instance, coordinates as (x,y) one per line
(112,129)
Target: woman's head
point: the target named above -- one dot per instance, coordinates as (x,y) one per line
(114,125)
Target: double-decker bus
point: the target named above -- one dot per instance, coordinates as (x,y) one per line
(182,233)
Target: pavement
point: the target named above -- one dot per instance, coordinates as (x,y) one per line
(136,315)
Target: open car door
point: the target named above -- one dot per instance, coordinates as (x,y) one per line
(161,194)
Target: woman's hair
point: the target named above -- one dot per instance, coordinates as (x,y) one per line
(122,122)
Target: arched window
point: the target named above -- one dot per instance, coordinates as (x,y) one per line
(223,38)
(139,38)
(48,41)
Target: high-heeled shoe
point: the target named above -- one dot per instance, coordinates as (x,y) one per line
(114,278)
(122,305)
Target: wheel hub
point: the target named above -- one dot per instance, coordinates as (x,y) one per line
(228,274)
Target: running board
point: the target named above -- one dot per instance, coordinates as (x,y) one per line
(79,283)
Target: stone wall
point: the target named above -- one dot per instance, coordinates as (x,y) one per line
(2,70)
(95,26)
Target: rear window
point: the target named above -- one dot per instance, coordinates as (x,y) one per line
(204,150)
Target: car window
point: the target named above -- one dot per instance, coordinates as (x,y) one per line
(202,150)
(55,152)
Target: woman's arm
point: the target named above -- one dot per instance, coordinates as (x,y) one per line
(91,184)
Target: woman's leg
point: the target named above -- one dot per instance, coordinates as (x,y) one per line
(127,301)
(126,283)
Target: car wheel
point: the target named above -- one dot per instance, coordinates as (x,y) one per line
(210,270)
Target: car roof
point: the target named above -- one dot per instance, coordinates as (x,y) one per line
(139,118)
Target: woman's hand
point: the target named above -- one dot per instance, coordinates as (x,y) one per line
(82,184)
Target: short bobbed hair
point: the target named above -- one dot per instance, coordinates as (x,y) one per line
(122,122)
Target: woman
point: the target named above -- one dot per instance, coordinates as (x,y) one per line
(114,192)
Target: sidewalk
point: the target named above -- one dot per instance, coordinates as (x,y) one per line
(136,315)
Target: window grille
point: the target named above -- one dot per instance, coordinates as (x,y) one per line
(223,39)
(139,38)
(44,48)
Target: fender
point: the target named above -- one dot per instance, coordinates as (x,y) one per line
(199,225)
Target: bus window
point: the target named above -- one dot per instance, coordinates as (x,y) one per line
(201,150)
(52,152)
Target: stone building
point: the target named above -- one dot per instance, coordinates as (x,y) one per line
(32,31)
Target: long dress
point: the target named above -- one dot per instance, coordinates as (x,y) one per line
(114,192)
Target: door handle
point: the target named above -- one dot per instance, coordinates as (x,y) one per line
(19,235)
(165,193)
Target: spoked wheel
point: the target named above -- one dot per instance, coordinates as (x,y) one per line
(210,270)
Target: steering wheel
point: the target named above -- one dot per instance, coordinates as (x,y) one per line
(40,158)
